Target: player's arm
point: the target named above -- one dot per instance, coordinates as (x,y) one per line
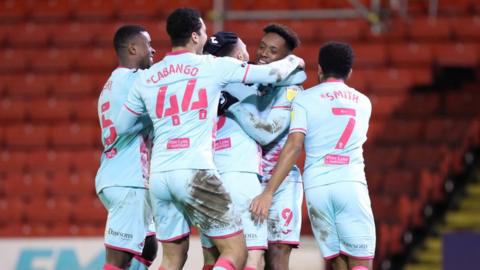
(265,130)
(231,70)
(132,110)
(289,155)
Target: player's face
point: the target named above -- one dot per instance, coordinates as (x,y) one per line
(145,50)
(241,51)
(201,37)
(272,48)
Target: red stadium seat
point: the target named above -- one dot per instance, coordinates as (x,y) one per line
(89,210)
(29,34)
(138,9)
(26,136)
(13,10)
(420,106)
(431,29)
(88,159)
(26,185)
(98,59)
(342,30)
(420,156)
(306,31)
(12,210)
(86,110)
(95,10)
(28,85)
(73,184)
(369,55)
(249,31)
(358,80)
(390,81)
(309,52)
(13,110)
(51,10)
(466,28)
(392,209)
(458,133)
(375,181)
(54,60)
(462,104)
(74,85)
(384,106)
(13,161)
(75,135)
(457,55)
(53,110)
(49,160)
(409,183)
(383,157)
(401,131)
(15,60)
(75,34)
(411,54)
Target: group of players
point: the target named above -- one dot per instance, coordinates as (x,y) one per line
(205,138)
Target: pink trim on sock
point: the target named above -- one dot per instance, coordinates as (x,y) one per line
(360,267)
(250,268)
(174,238)
(142,260)
(226,235)
(162,268)
(123,249)
(225,263)
(207,267)
(257,248)
(366,258)
(108,266)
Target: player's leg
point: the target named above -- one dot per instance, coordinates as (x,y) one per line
(322,219)
(149,253)
(243,187)
(209,207)
(210,252)
(339,263)
(355,224)
(126,228)
(172,228)
(284,223)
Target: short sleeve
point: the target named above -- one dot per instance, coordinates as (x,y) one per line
(298,117)
(134,103)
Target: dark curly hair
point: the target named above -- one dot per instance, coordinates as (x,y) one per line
(181,23)
(124,35)
(290,37)
(336,59)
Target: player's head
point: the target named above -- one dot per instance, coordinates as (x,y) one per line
(186,29)
(335,60)
(132,44)
(226,44)
(277,42)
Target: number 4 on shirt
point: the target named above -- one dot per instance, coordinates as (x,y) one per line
(347,132)
(201,104)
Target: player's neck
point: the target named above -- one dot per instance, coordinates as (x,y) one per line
(186,48)
(332,79)
(127,64)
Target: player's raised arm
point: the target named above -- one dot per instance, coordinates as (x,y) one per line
(266,129)
(127,119)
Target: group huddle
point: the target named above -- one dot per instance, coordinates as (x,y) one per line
(207,138)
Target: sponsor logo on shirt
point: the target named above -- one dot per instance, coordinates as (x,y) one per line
(291,93)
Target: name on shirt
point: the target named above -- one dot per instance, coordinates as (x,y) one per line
(340,94)
(173,69)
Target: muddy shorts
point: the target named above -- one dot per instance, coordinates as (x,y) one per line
(199,198)
(243,187)
(342,219)
(285,215)
(129,218)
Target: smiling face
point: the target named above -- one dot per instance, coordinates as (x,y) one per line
(144,49)
(272,47)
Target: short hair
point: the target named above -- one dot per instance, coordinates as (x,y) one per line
(336,59)
(181,23)
(221,44)
(124,34)
(290,37)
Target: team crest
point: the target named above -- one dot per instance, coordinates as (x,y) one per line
(291,93)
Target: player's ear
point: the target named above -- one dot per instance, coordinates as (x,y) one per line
(320,74)
(132,49)
(349,74)
(195,37)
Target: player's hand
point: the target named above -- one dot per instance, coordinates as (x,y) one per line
(226,100)
(294,58)
(260,206)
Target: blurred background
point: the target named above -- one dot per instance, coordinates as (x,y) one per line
(418,62)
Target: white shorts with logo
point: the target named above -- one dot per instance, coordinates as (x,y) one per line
(243,187)
(285,215)
(342,219)
(192,197)
(129,218)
